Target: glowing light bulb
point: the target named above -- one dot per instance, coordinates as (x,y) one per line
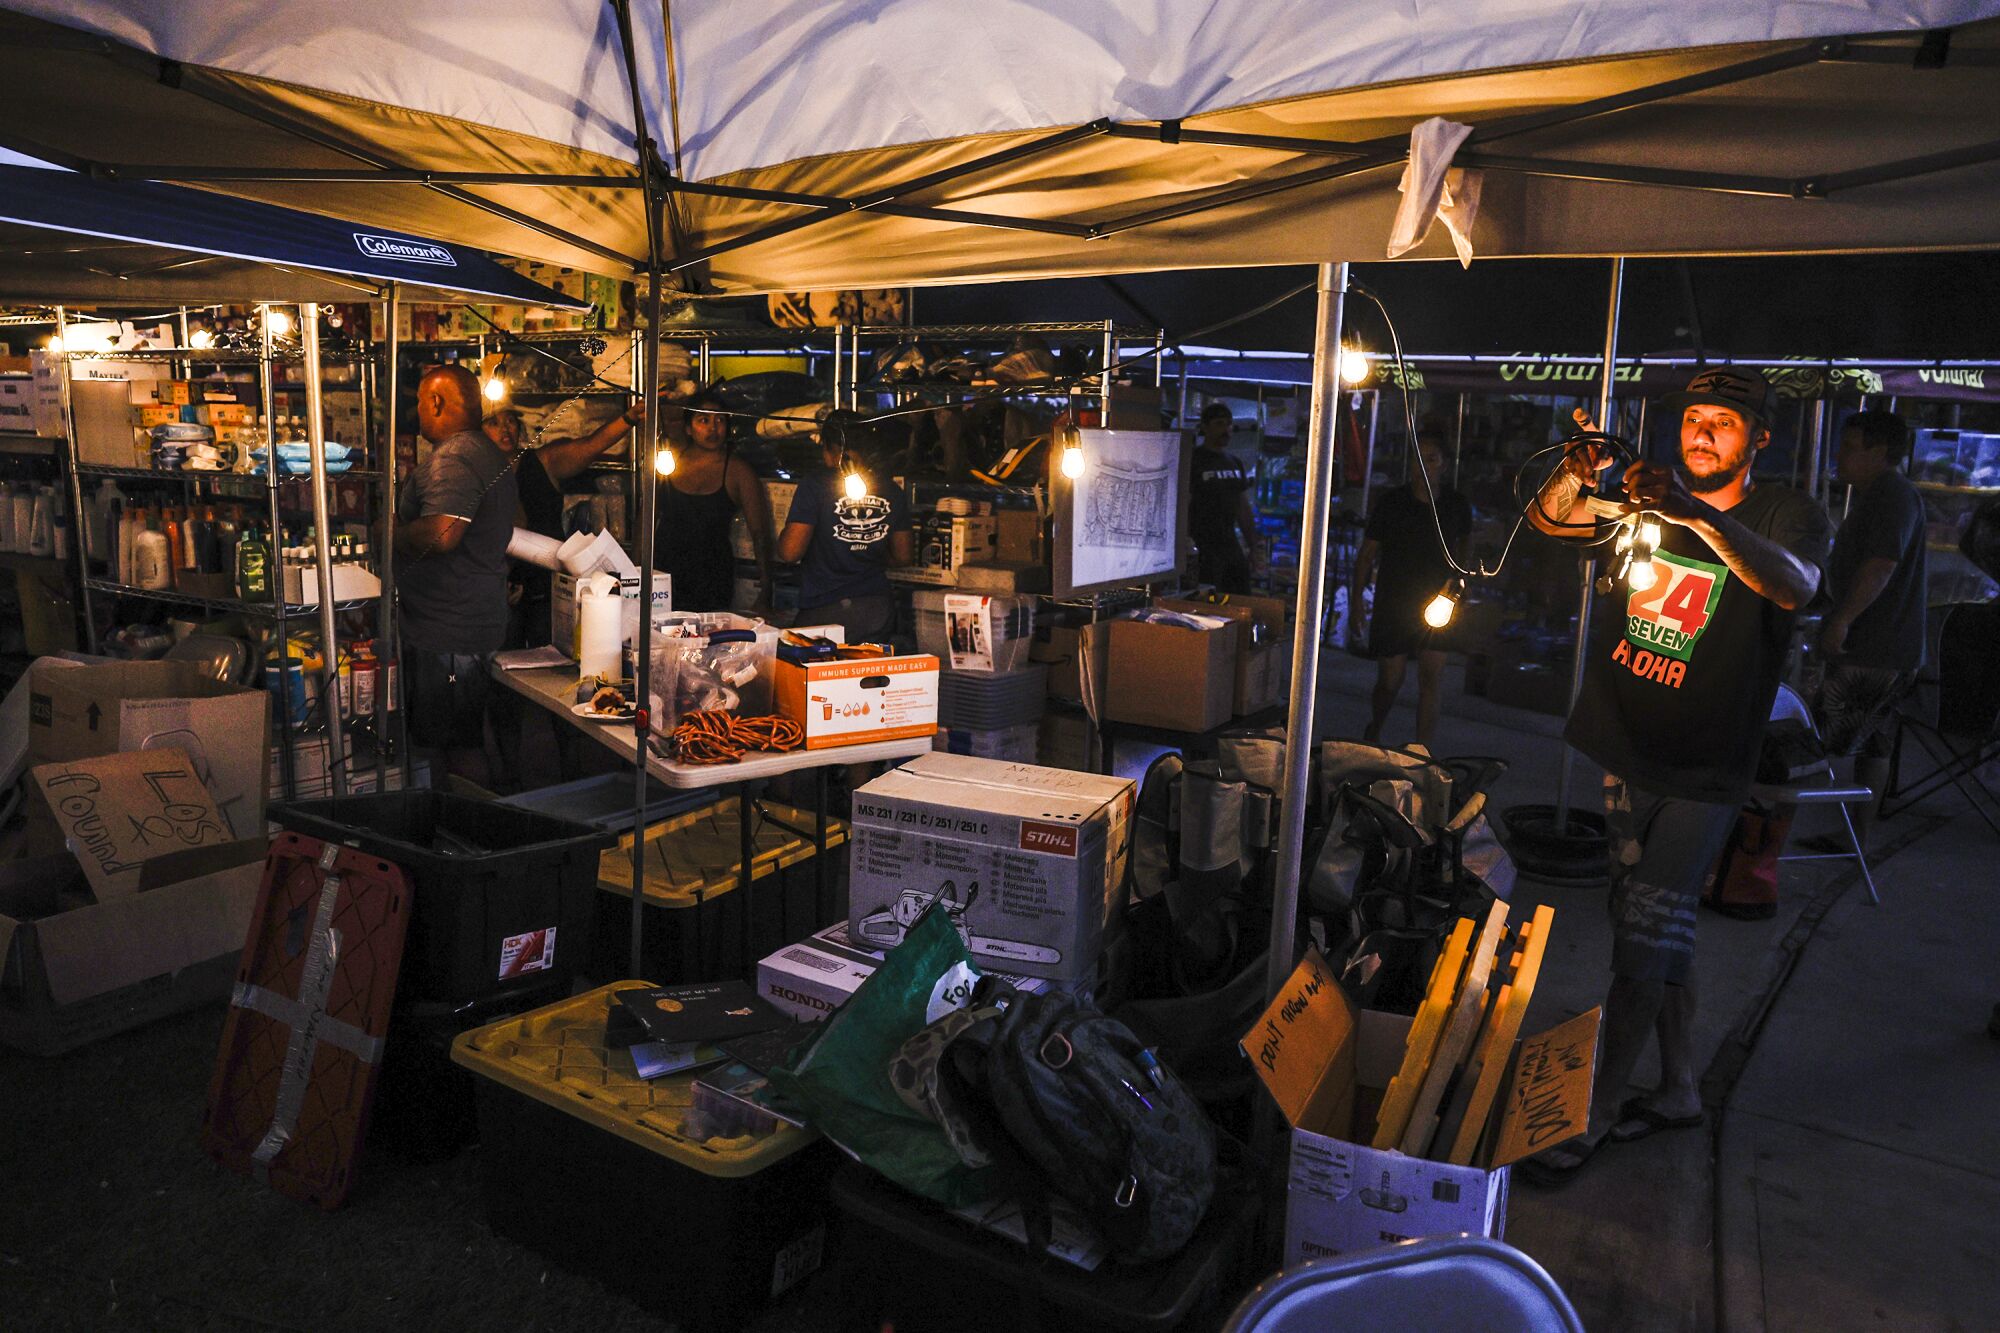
(1353,366)
(1440,609)
(663,461)
(55,345)
(278,322)
(201,338)
(1649,533)
(1072,461)
(857,489)
(495,389)
(1642,575)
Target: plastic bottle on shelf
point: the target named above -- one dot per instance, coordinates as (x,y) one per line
(367,677)
(59,530)
(101,512)
(151,560)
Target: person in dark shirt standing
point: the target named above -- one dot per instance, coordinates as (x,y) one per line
(1219,506)
(1877,579)
(1678,679)
(1401,550)
(456,516)
(844,546)
(697,505)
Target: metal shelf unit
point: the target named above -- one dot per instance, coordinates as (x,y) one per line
(266,358)
(1104,335)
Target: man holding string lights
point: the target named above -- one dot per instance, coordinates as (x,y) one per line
(1678,681)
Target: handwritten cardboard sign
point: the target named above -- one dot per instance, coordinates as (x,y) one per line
(1302,1046)
(1548,1099)
(118,811)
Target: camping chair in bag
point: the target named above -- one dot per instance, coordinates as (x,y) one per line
(1960,733)
(1463,1282)
(1823,790)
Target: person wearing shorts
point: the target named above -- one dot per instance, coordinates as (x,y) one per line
(1678,680)
(455,517)
(1872,639)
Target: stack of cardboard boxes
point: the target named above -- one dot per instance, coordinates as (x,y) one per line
(146,845)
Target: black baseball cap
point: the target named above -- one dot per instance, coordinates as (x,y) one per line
(1739,390)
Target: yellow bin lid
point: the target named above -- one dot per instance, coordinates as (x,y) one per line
(557,1056)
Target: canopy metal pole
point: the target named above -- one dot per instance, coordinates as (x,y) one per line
(1305,639)
(1815,442)
(336,738)
(1368,458)
(1458,443)
(1606,393)
(385,561)
(60,361)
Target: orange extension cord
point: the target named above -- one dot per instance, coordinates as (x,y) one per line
(717,737)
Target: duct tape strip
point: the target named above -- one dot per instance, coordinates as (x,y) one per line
(294,1015)
(314,986)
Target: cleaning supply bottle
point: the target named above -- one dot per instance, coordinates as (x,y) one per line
(152,560)
(21,500)
(59,530)
(41,521)
(171,521)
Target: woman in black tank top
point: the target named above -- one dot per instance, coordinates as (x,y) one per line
(691,529)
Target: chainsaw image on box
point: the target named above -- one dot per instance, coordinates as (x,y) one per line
(885,929)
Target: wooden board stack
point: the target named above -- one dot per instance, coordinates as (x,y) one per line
(1442,1100)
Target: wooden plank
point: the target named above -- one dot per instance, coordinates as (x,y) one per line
(1401,1095)
(1499,1042)
(1466,1013)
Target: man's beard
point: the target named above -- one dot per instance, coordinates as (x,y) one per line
(1720,479)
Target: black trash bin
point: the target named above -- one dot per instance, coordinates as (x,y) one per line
(505,898)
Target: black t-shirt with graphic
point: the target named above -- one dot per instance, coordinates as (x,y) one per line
(1217,484)
(848,555)
(1678,680)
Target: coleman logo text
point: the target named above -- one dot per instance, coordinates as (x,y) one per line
(1057,838)
(414,252)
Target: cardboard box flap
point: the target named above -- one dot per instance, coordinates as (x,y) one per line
(1095,788)
(117,811)
(97,949)
(1548,1090)
(1303,1048)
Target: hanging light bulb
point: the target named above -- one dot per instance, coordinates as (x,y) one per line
(495,389)
(1440,609)
(857,489)
(278,322)
(1649,533)
(1642,575)
(55,344)
(663,461)
(1072,461)
(1353,366)
(201,338)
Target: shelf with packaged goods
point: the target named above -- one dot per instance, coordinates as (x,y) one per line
(212,356)
(159,474)
(1047,329)
(225,605)
(1947,488)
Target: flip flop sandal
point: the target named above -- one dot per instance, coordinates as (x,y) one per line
(1650,1122)
(1550,1176)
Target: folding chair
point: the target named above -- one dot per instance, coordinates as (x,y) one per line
(1788,705)
(1960,735)
(1448,1282)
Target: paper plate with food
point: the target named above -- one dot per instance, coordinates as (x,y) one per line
(608,704)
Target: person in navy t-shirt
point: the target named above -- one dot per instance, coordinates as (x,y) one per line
(845,547)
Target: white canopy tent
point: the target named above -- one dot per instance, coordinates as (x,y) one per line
(794,144)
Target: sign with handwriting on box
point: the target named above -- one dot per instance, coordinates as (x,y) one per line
(1548,1101)
(115,812)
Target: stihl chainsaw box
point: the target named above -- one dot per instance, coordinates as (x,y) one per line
(1026,859)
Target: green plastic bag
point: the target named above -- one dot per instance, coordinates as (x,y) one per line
(842,1082)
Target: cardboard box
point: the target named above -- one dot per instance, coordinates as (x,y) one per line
(853,703)
(1323,1062)
(1169,676)
(104,424)
(45,372)
(1020,537)
(811,979)
(1031,860)
(1003,579)
(1064,648)
(349,581)
(1262,645)
(81,712)
(115,812)
(22,407)
(1062,740)
(73,969)
(945,543)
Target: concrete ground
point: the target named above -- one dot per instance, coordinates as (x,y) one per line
(1849,1177)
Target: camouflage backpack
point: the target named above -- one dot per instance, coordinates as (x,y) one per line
(1066,1101)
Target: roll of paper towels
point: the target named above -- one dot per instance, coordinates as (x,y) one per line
(600,632)
(534,549)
